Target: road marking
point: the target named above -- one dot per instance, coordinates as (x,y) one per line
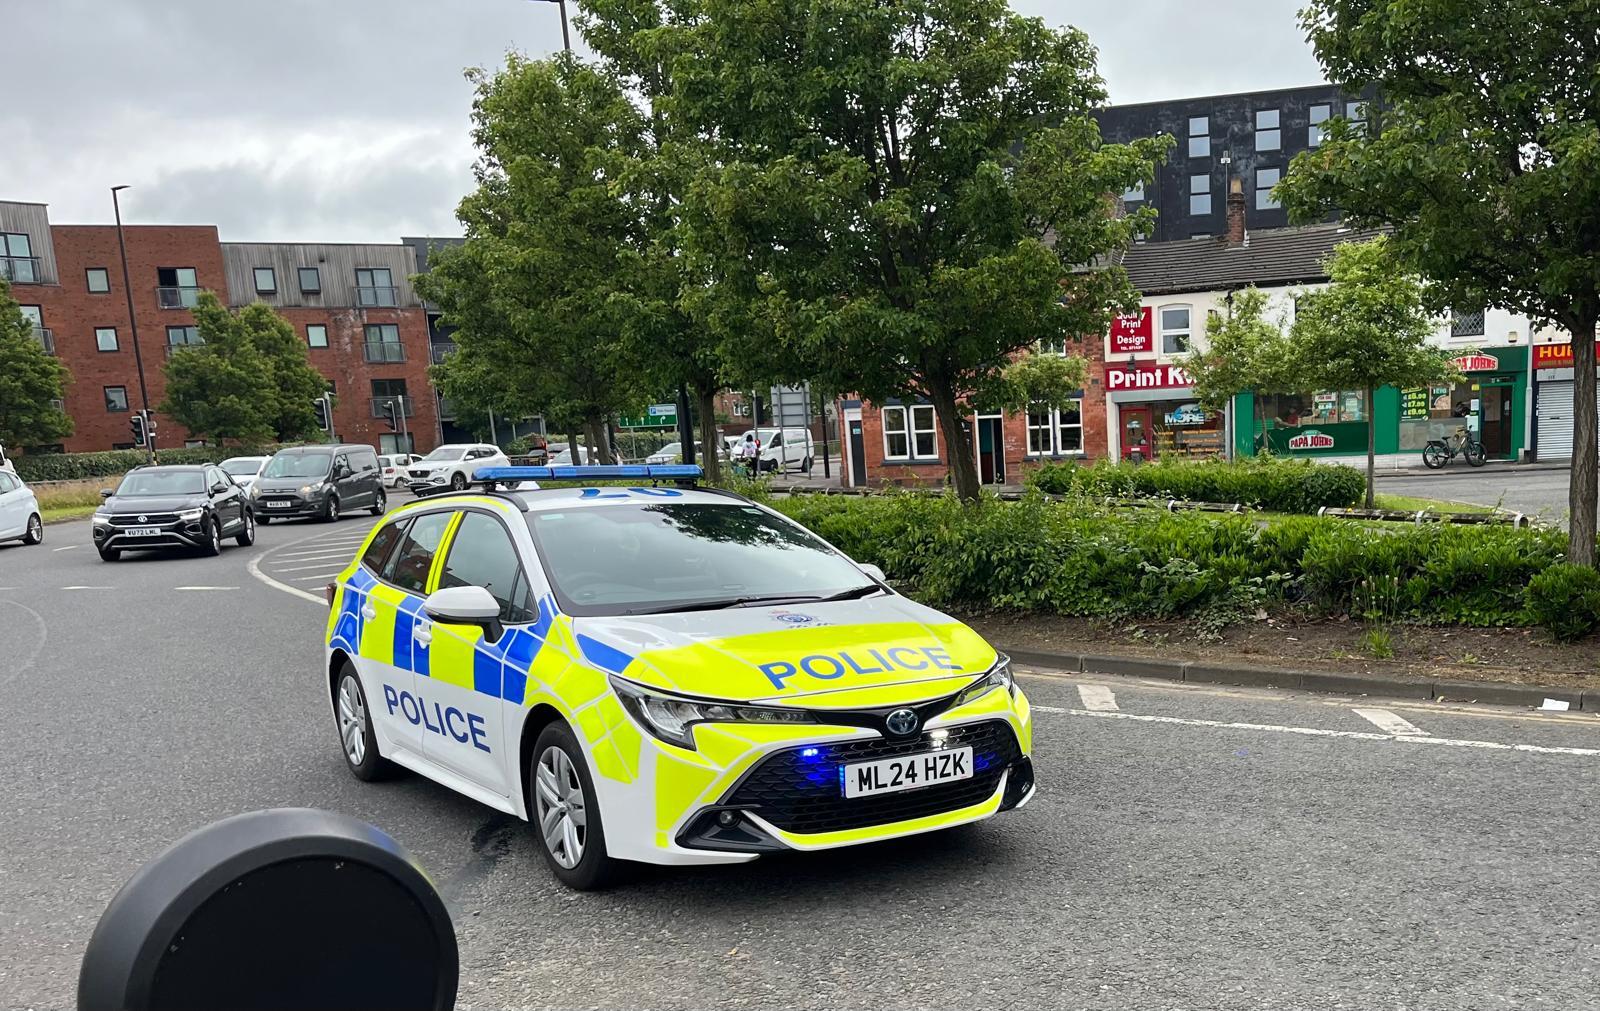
(88,587)
(1314,732)
(312,579)
(303,568)
(14,667)
(69,547)
(205,587)
(326,549)
(254,568)
(1383,719)
(1097,698)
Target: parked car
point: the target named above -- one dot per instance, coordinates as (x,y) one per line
(452,466)
(320,481)
(561,455)
(672,452)
(19,511)
(173,506)
(244,469)
(393,467)
(782,449)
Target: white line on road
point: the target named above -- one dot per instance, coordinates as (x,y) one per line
(205,587)
(326,549)
(88,587)
(69,547)
(1383,719)
(1313,732)
(303,568)
(254,568)
(313,579)
(1097,698)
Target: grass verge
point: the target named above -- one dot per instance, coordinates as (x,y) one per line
(1410,503)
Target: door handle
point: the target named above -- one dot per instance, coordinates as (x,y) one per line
(369,612)
(422,633)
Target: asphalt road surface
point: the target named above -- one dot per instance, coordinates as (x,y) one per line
(1189,848)
(1539,493)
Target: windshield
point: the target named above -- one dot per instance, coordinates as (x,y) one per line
(163,482)
(670,449)
(243,465)
(298,465)
(447,453)
(637,558)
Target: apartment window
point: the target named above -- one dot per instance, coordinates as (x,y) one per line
(908,433)
(16,258)
(1319,115)
(1200,194)
(1199,136)
(266,281)
(386,391)
(182,336)
(1268,136)
(177,287)
(105,338)
(1266,178)
(116,398)
(1175,330)
(1466,323)
(1356,113)
(310,280)
(1052,346)
(383,343)
(99,280)
(317,335)
(1133,194)
(374,287)
(1055,431)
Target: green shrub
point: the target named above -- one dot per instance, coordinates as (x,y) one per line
(1273,484)
(77,466)
(1565,600)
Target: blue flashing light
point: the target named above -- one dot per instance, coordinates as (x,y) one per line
(591,472)
(810,752)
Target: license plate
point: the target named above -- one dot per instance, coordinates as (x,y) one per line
(891,775)
(143,531)
(277,505)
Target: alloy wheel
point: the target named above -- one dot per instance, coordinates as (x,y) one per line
(352,720)
(559,807)
(35,530)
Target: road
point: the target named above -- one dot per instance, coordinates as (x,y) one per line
(1539,493)
(1190,848)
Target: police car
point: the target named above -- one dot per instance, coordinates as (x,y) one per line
(666,674)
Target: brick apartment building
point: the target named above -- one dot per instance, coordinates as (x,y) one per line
(365,329)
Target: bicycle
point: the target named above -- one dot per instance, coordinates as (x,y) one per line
(1439,452)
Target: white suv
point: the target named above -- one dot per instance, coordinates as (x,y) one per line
(451,467)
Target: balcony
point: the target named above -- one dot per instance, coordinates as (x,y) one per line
(171,348)
(385,351)
(440,350)
(178,297)
(408,403)
(46,339)
(20,269)
(447,410)
(371,296)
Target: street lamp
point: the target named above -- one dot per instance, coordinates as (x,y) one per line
(566,40)
(133,327)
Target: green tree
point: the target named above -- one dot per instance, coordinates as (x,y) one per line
(904,197)
(250,380)
(1368,328)
(1485,161)
(30,382)
(1246,351)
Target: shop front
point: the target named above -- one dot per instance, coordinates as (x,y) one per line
(1152,414)
(1554,400)
(1488,403)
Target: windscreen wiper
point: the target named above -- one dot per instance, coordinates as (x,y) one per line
(854,593)
(722,603)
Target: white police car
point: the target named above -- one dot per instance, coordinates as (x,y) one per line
(663,674)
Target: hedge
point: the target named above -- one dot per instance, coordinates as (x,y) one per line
(1270,483)
(77,466)
(1074,558)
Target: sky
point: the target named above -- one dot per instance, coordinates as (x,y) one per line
(347,120)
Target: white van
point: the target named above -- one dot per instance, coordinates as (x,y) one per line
(782,449)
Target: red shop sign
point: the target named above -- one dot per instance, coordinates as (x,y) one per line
(1477,363)
(1144,376)
(1132,333)
(1552,356)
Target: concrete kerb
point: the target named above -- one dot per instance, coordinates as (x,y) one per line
(1197,672)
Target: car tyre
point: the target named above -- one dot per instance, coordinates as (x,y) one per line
(358,742)
(35,531)
(381,504)
(247,536)
(213,544)
(458,481)
(805,466)
(109,554)
(565,814)
(330,509)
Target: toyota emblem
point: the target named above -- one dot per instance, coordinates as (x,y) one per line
(141,517)
(902,722)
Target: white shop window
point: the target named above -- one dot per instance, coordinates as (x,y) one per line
(1055,431)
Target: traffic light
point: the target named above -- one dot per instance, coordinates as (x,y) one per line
(136,425)
(324,420)
(389,417)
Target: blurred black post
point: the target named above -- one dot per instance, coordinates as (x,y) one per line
(685,425)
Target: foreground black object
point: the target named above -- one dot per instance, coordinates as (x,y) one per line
(291,908)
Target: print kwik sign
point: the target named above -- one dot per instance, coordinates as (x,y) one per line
(1145,376)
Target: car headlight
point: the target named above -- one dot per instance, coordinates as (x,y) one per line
(671,719)
(191,514)
(307,489)
(999,676)
(101,518)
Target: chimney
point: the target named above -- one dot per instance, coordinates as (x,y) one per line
(1236,233)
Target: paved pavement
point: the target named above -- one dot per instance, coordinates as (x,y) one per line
(1541,493)
(1190,848)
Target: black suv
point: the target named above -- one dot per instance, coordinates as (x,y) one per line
(320,481)
(163,507)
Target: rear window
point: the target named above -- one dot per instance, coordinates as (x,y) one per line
(378,551)
(408,569)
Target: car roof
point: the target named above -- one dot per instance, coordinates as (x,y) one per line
(172,467)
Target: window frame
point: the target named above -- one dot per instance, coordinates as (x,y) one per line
(904,431)
(1315,131)
(88,274)
(1187,331)
(385,576)
(116,345)
(910,430)
(300,279)
(272,279)
(105,393)
(1264,193)
(197,342)
(1053,426)
(1263,132)
(1200,139)
(522,578)
(1194,195)
(313,344)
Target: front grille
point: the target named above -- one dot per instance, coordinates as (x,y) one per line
(143,520)
(802,793)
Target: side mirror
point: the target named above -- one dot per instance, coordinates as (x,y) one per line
(873,571)
(465,605)
(107,492)
(218,488)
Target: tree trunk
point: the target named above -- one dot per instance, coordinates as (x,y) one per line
(963,462)
(710,460)
(594,431)
(1582,491)
(572,443)
(1372,449)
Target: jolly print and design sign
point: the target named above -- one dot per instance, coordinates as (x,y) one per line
(1133,333)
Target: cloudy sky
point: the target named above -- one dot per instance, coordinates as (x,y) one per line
(346,120)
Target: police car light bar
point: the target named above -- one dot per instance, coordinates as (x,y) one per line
(592,472)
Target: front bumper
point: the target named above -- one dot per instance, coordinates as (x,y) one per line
(421,483)
(170,532)
(282,503)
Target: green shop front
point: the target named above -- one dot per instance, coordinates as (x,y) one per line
(1490,402)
